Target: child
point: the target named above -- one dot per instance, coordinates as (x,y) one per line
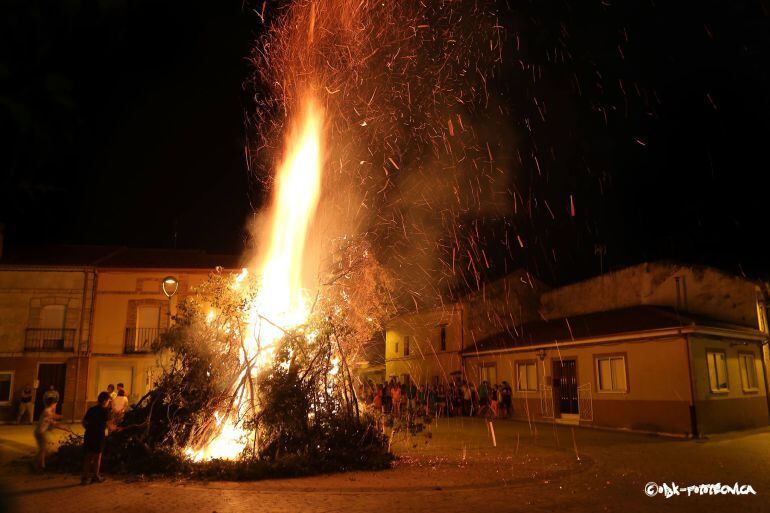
(96,423)
(47,420)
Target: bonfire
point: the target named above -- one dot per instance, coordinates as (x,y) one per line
(351,95)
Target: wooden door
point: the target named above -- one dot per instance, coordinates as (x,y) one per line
(50,374)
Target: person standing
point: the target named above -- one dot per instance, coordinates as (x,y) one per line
(111,391)
(441,399)
(483,395)
(467,396)
(119,405)
(411,397)
(506,399)
(474,399)
(494,400)
(96,423)
(387,403)
(26,406)
(395,395)
(46,422)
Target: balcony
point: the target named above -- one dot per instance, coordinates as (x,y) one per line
(141,340)
(42,339)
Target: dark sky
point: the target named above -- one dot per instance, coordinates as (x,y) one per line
(125,120)
(122,123)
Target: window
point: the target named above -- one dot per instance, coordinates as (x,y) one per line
(526,376)
(442,338)
(488,373)
(407,340)
(611,374)
(717,362)
(748,372)
(52,317)
(148,317)
(396,348)
(6,386)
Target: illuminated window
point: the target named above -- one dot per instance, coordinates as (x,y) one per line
(717,364)
(526,376)
(748,372)
(611,374)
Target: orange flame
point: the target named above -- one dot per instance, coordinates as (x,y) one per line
(282,299)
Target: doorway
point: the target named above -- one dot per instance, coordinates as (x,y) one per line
(50,374)
(565,390)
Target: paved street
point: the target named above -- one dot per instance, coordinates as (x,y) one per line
(453,466)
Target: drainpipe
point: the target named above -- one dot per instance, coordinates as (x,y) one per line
(80,340)
(693,412)
(90,339)
(762,322)
(764,375)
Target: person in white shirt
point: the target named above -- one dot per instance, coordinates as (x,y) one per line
(119,405)
(47,421)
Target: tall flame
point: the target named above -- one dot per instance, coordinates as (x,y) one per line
(294,205)
(282,299)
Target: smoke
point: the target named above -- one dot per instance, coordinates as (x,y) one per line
(415,149)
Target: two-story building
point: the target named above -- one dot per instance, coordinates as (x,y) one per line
(79,318)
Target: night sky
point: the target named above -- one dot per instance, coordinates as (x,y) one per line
(123,123)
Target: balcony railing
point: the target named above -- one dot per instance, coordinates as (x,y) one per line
(142,340)
(42,339)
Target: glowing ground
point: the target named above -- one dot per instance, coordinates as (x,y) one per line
(455,469)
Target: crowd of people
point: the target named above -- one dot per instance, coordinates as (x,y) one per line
(461,398)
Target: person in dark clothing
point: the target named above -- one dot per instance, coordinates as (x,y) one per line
(96,423)
(506,399)
(26,405)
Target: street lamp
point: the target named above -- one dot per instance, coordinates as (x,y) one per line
(169,285)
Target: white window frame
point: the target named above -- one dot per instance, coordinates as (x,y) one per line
(751,372)
(528,387)
(709,358)
(10,391)
(614,387)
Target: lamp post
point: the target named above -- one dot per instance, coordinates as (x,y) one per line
(170,285)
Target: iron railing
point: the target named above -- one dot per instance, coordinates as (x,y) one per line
(142,340)
(45,339)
